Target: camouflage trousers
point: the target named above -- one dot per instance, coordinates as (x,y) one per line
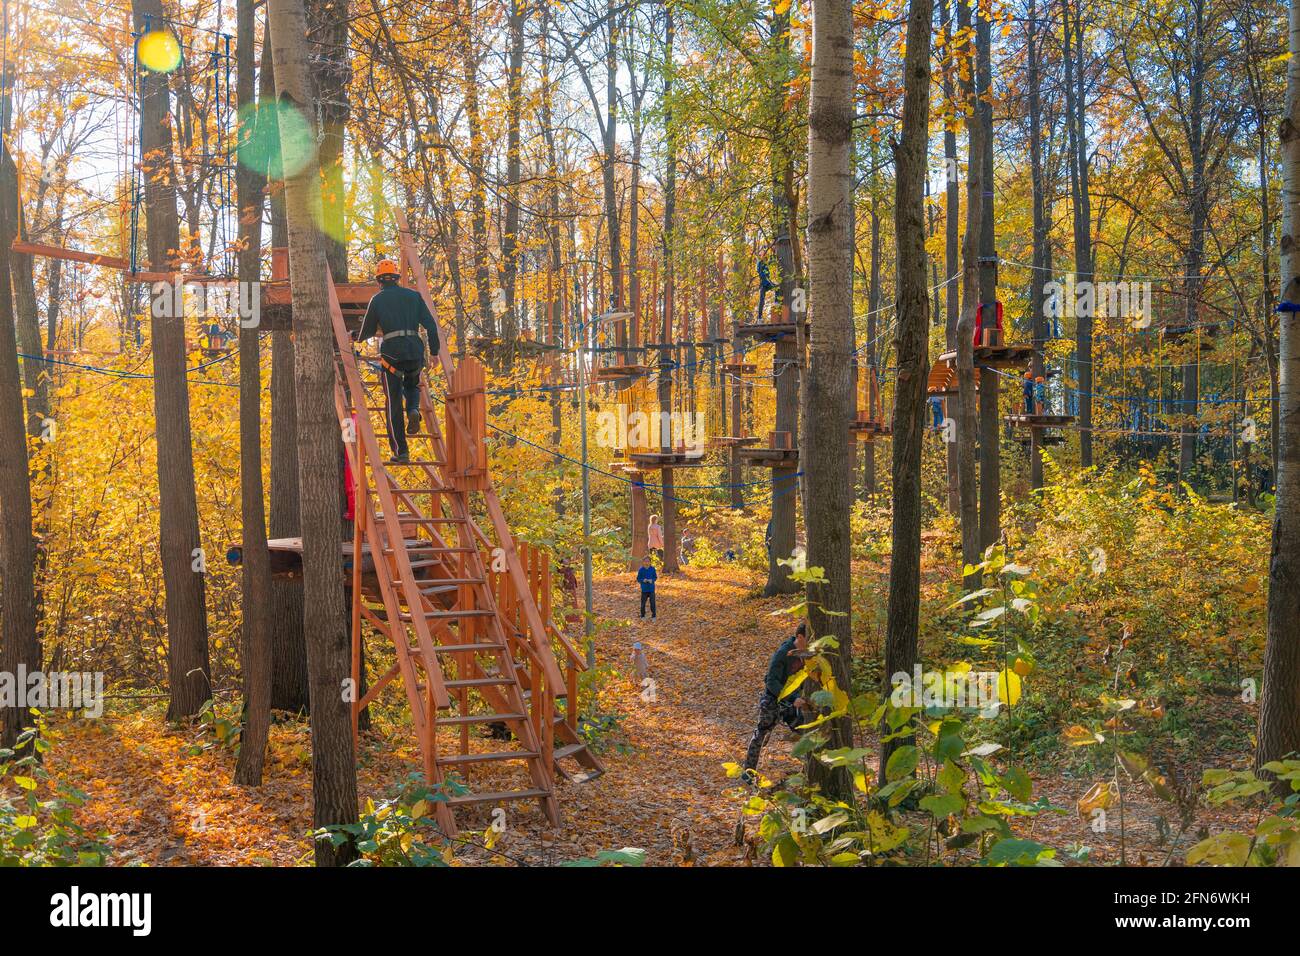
(770,712)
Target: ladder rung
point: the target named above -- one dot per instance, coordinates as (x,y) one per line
(481,758)
(458,648)
(477,682)
(476,719)
(496,797)
(438,489)
(568,750)
(450,582)
(412,464)
(452,615)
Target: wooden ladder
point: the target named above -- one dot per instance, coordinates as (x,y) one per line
(436,584)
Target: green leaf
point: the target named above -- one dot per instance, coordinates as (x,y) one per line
(901,763)
(942,805)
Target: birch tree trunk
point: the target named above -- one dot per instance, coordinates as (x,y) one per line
(1279,705)
(828,451)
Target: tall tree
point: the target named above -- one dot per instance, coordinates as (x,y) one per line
(183,561)
(256,567)
(828,459)
(334,782)
(913,360)
(19,645)
(1279,710)
(785,354)
(1042,248)
(967,418)
(1076,109)
(288,643)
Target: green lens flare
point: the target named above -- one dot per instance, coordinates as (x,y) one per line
(274,139)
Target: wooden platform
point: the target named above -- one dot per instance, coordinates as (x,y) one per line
(740,368)
(1043,439)
(1040,421)
(277,304)
(996,356)
(611,373)
(732,441)
(771,457)
(651,460)
(770,331)
(943,378)
(865,429)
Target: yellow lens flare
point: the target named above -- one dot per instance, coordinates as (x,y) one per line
(159,51)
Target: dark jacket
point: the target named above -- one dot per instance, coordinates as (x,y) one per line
(646,576)
(781,667)
(395,309)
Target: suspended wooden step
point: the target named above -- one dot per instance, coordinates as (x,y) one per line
(613,373)
(740,368)
(1039,421)
(992,356)
(733,441)
(780,452)
(678,458)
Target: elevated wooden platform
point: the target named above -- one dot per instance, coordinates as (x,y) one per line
(1040,421)
(613,373)
(771,331)
(654,460)
(866,429)
(771,457)
(277,304)
(996,356)
(1043,439)
(733,441)
(943,378)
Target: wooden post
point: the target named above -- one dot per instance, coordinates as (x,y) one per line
(639,519)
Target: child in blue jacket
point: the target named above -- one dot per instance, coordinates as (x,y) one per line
(646,576)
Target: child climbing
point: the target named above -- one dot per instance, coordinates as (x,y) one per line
(1040,395)
(646,576)
(1029,393)
(655,537)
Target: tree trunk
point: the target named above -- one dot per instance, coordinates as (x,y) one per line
(1042,253)
(828,458)
(1279,706)
(967,419)
(327,23)
(288,644)
(510,239)
(913,361)
(785,356)
(256,567)
(334,785)
(183,560)
(19,645)
(951,240)
(1076,116)
(990,445)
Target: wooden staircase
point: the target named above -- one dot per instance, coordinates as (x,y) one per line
(467,612)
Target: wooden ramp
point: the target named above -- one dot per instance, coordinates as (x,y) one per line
(461,605)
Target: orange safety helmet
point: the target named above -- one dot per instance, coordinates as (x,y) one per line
(386,267)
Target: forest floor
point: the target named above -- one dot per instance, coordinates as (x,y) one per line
(165,800)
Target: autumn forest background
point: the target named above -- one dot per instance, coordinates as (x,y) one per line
(785,224)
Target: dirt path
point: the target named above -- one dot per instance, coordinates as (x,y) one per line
(163,801)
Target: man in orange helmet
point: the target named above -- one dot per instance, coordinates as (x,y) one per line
(397,314)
